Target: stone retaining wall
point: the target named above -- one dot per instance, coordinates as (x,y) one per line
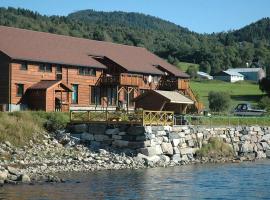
(177,143)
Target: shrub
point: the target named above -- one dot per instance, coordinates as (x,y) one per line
(215,148)
(219,101)
(264,103)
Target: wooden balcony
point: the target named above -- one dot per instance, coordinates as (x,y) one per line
(123,79)
(182,84)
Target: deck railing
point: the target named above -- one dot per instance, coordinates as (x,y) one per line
(117,117)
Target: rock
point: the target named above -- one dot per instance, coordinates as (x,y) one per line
(176,150)
(148,129)
(151,151)
(260,155)
(120,143)
(112,131)
(117,137)
(265,146)
(165,159)
(24,178)
(79,128)
(266,137)
(100,138)
(173,135)
(175,142)
(245,147)
(13,171)
(3,175)
(167,148)
(87,137)
(184,151)
(267,153)
(135,130)
(161,133)
(176,158)
(8,143)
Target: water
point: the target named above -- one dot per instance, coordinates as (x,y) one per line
(213,181)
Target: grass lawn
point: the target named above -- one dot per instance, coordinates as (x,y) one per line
(184,66)
(240,92)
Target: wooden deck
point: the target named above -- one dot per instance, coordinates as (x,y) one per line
(143,118)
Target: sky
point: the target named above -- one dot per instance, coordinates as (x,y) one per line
(202,16)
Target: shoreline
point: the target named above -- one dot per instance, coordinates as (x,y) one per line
(78,159)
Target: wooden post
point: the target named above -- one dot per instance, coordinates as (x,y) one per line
(127,99)
(88,115)
(61,104)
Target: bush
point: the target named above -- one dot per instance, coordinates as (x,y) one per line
(215,148)
(219,101)
(264,103)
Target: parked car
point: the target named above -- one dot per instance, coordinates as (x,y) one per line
(245,109)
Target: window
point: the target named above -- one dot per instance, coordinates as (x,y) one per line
(95,95)
(58,69)
(87,71)
(45,67)
(24,66)
(19,90)
(75,93)
(111,96)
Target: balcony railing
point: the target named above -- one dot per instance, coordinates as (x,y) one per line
(123,79)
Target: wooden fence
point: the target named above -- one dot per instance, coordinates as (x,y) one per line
(117,117)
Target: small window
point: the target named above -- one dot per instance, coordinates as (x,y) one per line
(59,69)
(24,66)
(86,71)
(75,88)
(45,67)
(19,90)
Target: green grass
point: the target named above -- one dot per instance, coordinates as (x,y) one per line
(240,92)
(20,127)
(215,148)
(184,66)
(230,120)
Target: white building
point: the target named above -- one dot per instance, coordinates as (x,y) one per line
(229,76)
(204,75)
(251,74)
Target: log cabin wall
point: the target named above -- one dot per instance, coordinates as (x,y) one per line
(70,76)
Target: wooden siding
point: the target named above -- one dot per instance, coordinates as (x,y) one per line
(69,76)
(4,79)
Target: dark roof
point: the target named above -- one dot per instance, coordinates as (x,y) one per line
(23,44)
(46,84)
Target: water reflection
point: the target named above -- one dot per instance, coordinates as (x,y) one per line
(227,181)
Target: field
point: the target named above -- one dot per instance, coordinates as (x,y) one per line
(184,66)
(240,92)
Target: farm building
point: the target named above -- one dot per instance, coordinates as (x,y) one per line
(229,76)
(43,71)
(251,74)
(203,75)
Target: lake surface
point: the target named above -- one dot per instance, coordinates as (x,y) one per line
(211,181)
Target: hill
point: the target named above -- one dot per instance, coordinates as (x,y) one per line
(212,52)
(240,91)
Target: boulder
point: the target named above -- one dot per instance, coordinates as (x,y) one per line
(97,129)
(246,147)
(24,178)
(151,151)
(266,137)
(79,128)
(3,175)
(161,133)
(176,158)
(13,171)
(184,151)
(265,145)
(175,142)
(113,131)
(120,143)
(100,138)
(173,135)
(87,137)
(117,137)
(136,130)
(176,150)
(260,155)
(167,148)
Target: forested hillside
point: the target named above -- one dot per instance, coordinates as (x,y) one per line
(212,51)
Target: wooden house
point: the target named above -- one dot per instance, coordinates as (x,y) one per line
(43,71)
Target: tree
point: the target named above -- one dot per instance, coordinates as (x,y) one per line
(264,85)
(192,71)
(205,67)
(219,101)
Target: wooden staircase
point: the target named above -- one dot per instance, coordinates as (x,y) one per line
(198,106)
